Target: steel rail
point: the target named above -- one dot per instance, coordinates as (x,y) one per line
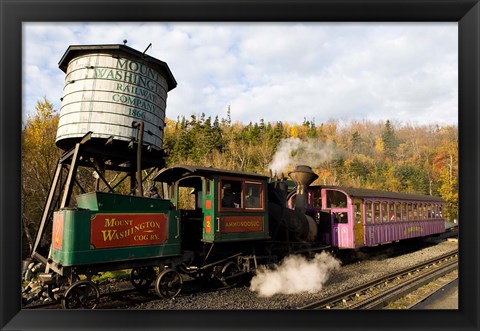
(380,300)
(323,303)
(425,297)
(111,300)
(111,295)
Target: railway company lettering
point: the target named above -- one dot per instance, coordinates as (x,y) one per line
(136,90)
(115,234)
(128,229)
(128,77)
(133,101)
(109,222)
(137,67)
(137,85)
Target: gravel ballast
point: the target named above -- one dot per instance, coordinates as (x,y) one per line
(347,276)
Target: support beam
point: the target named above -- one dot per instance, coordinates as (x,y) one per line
(46,209)
(67,192)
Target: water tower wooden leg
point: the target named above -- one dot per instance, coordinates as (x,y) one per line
(67,192)
(46,209)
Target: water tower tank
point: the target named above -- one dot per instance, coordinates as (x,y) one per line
(107,88)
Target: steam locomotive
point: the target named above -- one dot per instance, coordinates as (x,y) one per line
(213,224)
(220,224)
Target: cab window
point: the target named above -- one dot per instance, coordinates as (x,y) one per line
(231,193)
(253,195)
(241,194)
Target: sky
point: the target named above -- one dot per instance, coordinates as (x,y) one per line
(403,72)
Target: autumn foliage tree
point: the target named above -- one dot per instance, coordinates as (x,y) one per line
(39,160)
(387,156)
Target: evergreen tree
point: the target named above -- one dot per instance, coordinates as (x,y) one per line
(389,139)
(356,141)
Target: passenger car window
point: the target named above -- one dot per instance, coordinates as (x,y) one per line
(368,212)
(429,212)
(384,211)
(358,212)
(340,218)
(398,209)
(376,208)
(317,199)
(410,211)
(336,199)
(391,211)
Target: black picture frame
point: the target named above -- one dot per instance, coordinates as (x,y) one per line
(14,13)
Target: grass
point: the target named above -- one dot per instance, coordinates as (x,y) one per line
(108,275)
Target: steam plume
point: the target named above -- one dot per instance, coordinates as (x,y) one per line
(294,151)
(295,274)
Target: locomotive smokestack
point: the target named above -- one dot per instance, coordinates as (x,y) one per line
(303,176)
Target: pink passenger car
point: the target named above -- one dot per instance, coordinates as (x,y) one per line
(354,218)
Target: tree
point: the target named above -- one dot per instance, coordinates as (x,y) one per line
(389,139)
(39,159)
(446,165)
(356,141)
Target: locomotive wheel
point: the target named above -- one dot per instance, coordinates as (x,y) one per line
(229,269)
(142,278)
(81,295)
(168,284)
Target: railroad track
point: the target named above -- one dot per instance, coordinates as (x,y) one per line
(347,300)
(377,293)
(105,299)
(127,297)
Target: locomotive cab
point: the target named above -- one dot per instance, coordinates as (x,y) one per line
(216,205)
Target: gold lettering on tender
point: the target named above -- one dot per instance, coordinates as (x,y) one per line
(111,222)
(108,235)
(143,228)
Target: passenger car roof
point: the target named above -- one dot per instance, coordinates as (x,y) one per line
(367,193)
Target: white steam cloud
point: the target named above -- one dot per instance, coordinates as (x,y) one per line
(294,151)
(295,274)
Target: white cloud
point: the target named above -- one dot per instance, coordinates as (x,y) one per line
(403,72)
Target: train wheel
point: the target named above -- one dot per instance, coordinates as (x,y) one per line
(81,295)
(142,278)
(168,284)
(229,270)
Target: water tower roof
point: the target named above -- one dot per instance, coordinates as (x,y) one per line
(117,49)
